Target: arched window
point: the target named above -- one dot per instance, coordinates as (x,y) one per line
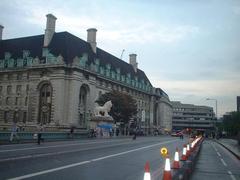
(82,106)
(45,103)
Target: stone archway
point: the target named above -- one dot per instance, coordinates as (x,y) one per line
(45,103)
(82,105)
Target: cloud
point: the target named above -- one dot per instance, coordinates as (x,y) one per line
(208,87)
(114,28)
(196,92)
(236,10)
(148,33)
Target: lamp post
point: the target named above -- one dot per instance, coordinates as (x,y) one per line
(209,99)
(215,102)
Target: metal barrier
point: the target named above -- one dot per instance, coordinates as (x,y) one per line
(48,136)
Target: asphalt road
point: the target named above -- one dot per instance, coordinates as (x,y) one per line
(216,163)
(102,159)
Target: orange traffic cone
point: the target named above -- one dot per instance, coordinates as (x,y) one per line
(184,154)
(167,170)
(188,150)
(176,164)
(147,175)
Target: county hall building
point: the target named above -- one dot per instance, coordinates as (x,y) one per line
(55,78)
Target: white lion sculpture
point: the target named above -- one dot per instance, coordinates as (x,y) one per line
(99,110)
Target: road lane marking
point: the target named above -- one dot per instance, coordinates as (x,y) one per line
(219,154)
(50,170)
(46,147)
(86,162)
(231,175)
(58,153)
(223,162)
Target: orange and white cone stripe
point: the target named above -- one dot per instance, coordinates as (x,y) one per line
(184,154)
(167,170)
(188,150)
(176,164)
(147,175)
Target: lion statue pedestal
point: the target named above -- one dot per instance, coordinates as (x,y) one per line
(102,122)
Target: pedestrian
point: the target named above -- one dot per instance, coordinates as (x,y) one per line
(135,134)
(71,132)
(14,131)
(39,136)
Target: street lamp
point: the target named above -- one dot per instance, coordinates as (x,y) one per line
(216,112)
(215,102)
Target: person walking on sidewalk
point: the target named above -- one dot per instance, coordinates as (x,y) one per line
(134,134)
(14,131)
(39,134)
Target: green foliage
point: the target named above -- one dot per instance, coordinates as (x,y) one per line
(124,106)
(231,123)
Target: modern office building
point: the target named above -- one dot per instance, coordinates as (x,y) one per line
(55,78)
(192,116)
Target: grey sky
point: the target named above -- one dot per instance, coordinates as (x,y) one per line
(189,48)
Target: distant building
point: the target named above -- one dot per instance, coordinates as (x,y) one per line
(192,116)
(238,103)
(55,78)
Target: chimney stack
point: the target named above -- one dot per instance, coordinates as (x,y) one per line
(133,61)
(50,29)
(91,38)
(1,31)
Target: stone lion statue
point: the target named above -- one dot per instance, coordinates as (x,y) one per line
(103,110)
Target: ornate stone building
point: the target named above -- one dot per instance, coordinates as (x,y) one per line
(55,78)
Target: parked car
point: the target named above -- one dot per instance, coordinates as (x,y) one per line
(176,134)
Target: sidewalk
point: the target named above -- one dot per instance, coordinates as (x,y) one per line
(214,163)
(231,145)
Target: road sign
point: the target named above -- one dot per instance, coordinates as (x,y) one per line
(164,151)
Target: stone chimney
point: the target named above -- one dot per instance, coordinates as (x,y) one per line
(91,38)
(50,29)
(133,61)
(1,31)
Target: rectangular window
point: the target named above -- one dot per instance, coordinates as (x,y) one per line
(24,117)
(27,89)
(19,76)
(8,101)
(19,89)
(26,101)
(16,101)
(9,90)
(6,116)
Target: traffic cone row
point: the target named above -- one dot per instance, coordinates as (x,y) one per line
(187,149)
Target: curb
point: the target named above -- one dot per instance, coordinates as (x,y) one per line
(235,154)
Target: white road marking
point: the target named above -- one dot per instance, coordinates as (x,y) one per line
(219,154)
(50,170)
(86,162)
(223,162)
(46,147)
(231,175)
(214,147)
(57,153)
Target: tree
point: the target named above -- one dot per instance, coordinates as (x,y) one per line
(231,123)
(124,106)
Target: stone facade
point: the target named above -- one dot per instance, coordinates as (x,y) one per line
(46,85)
